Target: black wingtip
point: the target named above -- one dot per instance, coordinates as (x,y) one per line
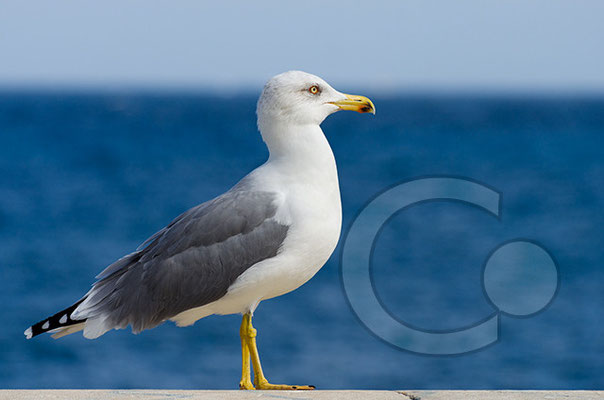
(59,320)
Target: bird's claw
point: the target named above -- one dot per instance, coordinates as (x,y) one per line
(246,385)
(264,385)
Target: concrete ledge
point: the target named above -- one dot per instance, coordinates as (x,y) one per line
(502,394)
(317,394)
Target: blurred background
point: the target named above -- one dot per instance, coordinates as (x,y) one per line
(117,116)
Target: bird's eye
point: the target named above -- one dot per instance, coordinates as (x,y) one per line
(314,89)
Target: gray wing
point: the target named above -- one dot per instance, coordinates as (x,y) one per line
(189,263)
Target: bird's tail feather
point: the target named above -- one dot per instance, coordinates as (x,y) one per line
(60,323)
(68,330)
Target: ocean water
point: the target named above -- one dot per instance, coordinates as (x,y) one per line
(85,178)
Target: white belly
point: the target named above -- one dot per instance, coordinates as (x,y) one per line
(305,176)
(306,249)
(314,215)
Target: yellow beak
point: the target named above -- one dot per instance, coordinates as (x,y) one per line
(355,103)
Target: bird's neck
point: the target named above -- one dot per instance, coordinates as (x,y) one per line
(300,148)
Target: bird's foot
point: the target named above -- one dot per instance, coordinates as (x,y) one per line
(246,385)
(264,385)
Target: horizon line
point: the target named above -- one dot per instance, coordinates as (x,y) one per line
(231,90)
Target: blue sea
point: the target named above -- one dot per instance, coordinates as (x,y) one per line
(86,177)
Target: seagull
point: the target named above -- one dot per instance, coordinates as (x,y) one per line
(266,236)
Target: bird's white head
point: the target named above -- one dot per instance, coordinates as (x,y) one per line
(300,98)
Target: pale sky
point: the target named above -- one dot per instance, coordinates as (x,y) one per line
(544,45)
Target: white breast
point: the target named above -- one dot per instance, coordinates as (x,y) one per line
(309,203)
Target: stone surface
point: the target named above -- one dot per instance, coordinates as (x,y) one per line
(317,394)
(197,395)
(502,394)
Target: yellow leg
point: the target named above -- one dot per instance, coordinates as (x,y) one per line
(260,382)
(246,373)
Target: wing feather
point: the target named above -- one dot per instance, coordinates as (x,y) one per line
(189,263)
